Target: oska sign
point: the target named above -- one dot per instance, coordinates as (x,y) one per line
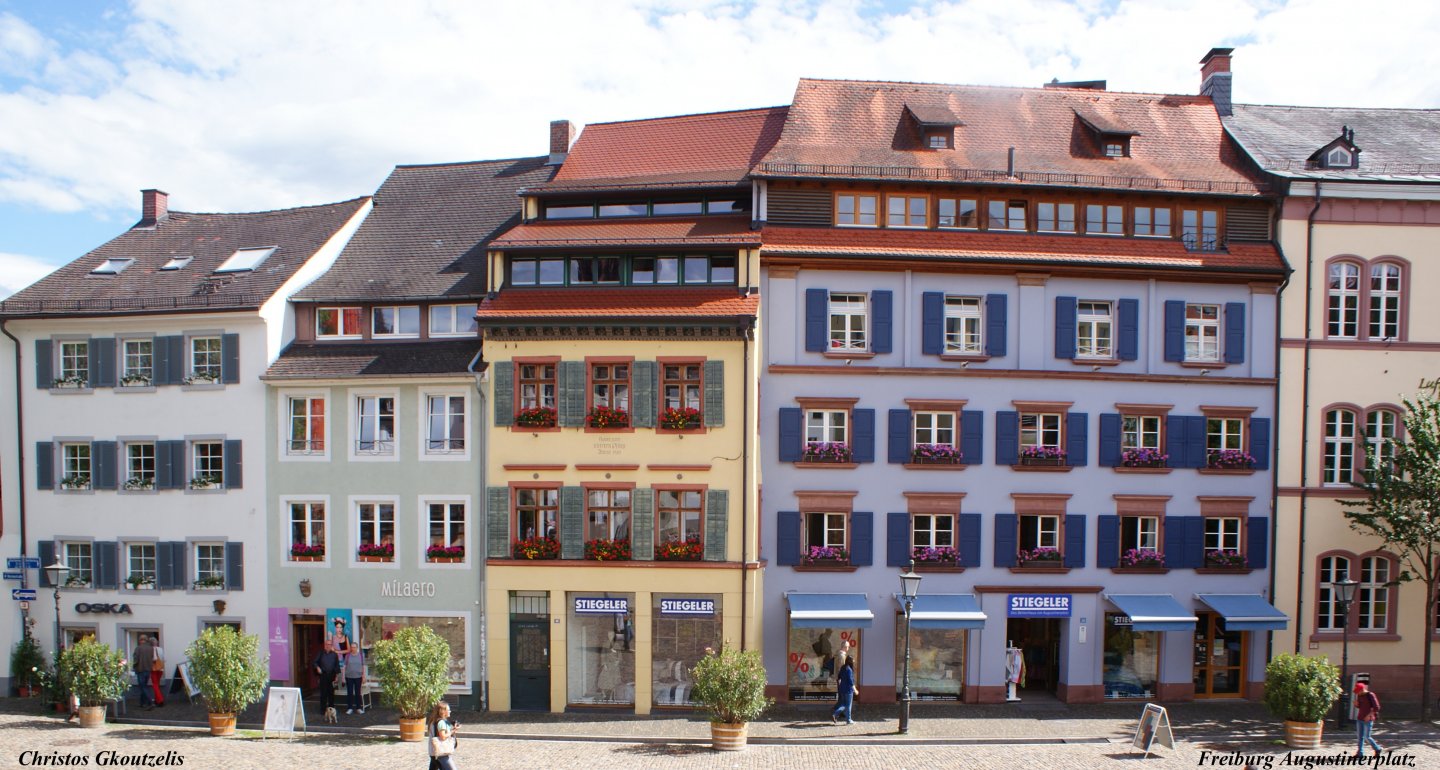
(103,609)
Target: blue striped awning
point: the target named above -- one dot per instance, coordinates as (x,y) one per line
(944,611)
(1246,612)
(829,611)
(1154,612)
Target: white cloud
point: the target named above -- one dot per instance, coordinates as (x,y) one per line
(18,271)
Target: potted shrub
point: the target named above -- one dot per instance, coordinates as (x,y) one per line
(413,668)
(730,685)
(1301,691)
(27,663)
(229,672)
(97,674)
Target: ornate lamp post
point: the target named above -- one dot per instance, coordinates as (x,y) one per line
(57,572)
(909,588)
(1344,592)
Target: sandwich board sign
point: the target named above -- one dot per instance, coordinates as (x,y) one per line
(283,711)
(1154,728)
(190,689)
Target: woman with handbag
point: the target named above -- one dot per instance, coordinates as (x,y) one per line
(442,738)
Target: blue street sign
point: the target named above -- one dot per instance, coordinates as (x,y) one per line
(22,594)
(28,562)
(16,575)
(32,562)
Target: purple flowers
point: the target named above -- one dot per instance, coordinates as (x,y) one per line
(1041,554)
(941,555)
(936,453)
(1042,453)
(824,554)
(1222,558)
(1229,458)
(1142,557)
(1143,458)
(827,452)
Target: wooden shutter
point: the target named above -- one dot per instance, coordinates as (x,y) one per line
(1195,435)
(179,563)
(972,436)
(1194,553)
(862,446)
(643,390)
(234,566)
(787,538)
(792,434)
(1007,438)
(1006,535)
(897,539)
(1077,439)
(1065,327)
(794,206)
(714,394)
(46,549)
(1129,312)
(44,364)
(1174,330)
(1257,545)
(900,447)
(817,311)
(1173,547)
(572,523)
(102,362)
(642,524)
(234,464)
(163,568)
(45,466)
(502,374)
(572,394)
(230,358)
(995,325)
(932,324)
(1075,540)
(1260,442)
(1175,442)
(106,555)
(969,540)
(1107,541)
(1110,430)
(103,460)
(882,308)
(497,522)
(717,523)
(165,472)
(862,538)
(175,349)
(1234,332)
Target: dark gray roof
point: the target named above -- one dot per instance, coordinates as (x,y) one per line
(1395,145)
(210,239)
(427,235)
(309,360)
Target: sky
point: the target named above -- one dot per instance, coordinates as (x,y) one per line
(273,103)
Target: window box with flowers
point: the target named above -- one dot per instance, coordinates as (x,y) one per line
(936,454)
(445,554)
(604,549)
(1038,558)
(538,417)
(936,559)
(536,548)
(77,581)
(140,582)
(303,552)
(688,549)
(1142,560)
(825,556)
(1144,458)
(75,481)
(375,552)
(70,382)
(1229,560)
(827,452)
(1229,460)
(206,481)
(681,418)
(210,583)
(140,483)
(607,417)
(201,378)
(135,380)
(1042,456)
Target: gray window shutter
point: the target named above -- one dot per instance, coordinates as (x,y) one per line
(572,523)
(643,388)
(642,524)
(503,374)
(497,522)
(168,360)
(230,358)
(234,566)
(102,362)
(45,467)
(46,549)
(234,464)
(572,394)
(717,523)
(714,394)
(103,462)
(106,571)
(44,364)
(164,569)
(179,563)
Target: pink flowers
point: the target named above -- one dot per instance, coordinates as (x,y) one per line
(823,554)
(1142,557)
(1143,458)
(936,453)
(1229,458)
(932,555)
(827,452)
(1041,554)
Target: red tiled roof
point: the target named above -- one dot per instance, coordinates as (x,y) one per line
(715,147)
(733,231)
(857,129)
(627,302)
(1004,247)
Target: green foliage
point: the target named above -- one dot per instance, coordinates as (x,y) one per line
(95,672)
(731,685)
(228,670)
(27,662)
(413,668)
(1301,689)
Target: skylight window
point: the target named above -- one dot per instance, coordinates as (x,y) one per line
(245,259)
(176,263)
(112,267)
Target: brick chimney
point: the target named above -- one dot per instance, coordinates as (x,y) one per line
(1215,79)
(562,134)
(154,206)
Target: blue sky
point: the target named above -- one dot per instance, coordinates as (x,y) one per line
(272,103)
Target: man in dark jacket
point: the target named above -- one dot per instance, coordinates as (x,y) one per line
(327,665)
(144,660)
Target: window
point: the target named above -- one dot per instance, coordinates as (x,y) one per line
(681,384)
(825,426)
(679,208)
(376,425)
(1094,330)
(1039,431)
(140,566)
(935,428)
(937,141)
(1115,150)
(607,514)
(245,259)
(139,465)
(1224,433)
(204,359)
(307,425)
(137,362)
(1039,531)
(1006,215)
(570,212)
(1222,533)
(79,557)
(1139,533)
(1139,432)
(1380,427)
(1202,332)
(1339,447)
(724,206)
(207,464)
(338,322)
(1343,301)
(624,209)
(395,321)
(908,211)
(594,270)
(610,387)
(376,528)
(75,466)
(697,270)
(1338,157)
(826,530)
(1384,301)
(1102,219)
(112,267)
(847,322)
(537,513)
(1200,229)
(1152,221)
(932,530)
(1055,217)
(962,326)
(447,320)
(542,272)
(855,210)
(176,263)
(678,516)
(447,525)
(1372,596)
(75,362)
(307,529)
(210,564)
(445,428)
(957,212)
(537,386)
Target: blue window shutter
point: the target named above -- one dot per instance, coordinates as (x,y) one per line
(234,464)
(571,398)
(932,324)
(163,568)
(862,538)
(234,566)
(1174,330)
(230,358)
(882,309)
(1006,535)
(1257,545)
(1075,540)
(1176,557)
(503,373)
(792,444)
(103,459)
(972,436)
(1195,436)
(995,325)
(817,311)
(900,442)
(1194,555)
(897,539)
(1260,442)
(1065,327)
(1007,438)
(643,387)
(969,540)
(787,538)
(1234,332)
(1077,439)
(44,366)
(1175,441)
(102,362)
(1109,440)
(45,468)
(862,447)
(106,572)
(1129,312)
(46,550)
(1107,541)
(714,393)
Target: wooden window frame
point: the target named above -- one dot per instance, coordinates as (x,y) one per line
(661,403)
(516,487)
(1152,225)
(846,405)
(978,315)
(587,488)
(867,331)
(1058,220)
(1106,221)
(1041,504)
(703,489)
(1390,633)
(1007,214)
(1241,413)
(310,519)
(311,449)
(357,312)
(1109,318)
(858,196)
(907,214)
(1198,243)
(1202,324)
(1159,412)
(1364,300)
(1140,507)
(396,335)
(1227,507)
(590,382)
(975,213)
(1041,408)
(518,395)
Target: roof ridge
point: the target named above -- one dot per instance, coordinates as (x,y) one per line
(470,162)
(992,87)
(1311,107)
(691,115)
(336,204)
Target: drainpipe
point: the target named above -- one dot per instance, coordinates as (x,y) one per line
(1305,416)
(748,332)
(1275,475)
(19,456)
(484,649)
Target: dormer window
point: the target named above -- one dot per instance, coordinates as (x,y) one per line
(112,267)
(938,141)
(1117,148)
(1111,136)
(1339,158)
(1340,152)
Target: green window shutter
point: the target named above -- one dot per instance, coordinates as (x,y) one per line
(714,394)
(717,523)
(643,388)
(503,375)
(572,394)
(642,525)
(572,523)
(497,522)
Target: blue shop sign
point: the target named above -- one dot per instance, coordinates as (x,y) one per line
(594,605)
(690,607)
(1039,606)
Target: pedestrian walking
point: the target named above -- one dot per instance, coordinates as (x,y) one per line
(327,665)
(1367,708)
(845,692)
(442,738)
(157,670)
(142,660)
(354,680)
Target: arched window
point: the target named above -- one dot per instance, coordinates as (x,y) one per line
(1343,301)
(1384,301)
(1380,426)
(1327,608)
(1338,157)
(1372,596)
(1339,446)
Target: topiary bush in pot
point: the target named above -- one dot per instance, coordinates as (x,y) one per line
(731,686)
(413,668)
(227,668)
(1301,691)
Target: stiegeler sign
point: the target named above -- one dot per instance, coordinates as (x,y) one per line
(1039,606)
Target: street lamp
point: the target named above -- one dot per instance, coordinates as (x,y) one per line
(1344,591)
(909,588)
(57,572)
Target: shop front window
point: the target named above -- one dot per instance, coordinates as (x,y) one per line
(1132,659)
(600,666)
(937,662)
(454,629)
(811,660)
(682,627)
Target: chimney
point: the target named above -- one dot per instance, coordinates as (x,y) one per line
(1215,79)
(154,207)
(562,134)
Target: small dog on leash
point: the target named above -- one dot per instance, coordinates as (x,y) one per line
(330,714)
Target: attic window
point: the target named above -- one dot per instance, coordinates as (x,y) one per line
(245,259)
(938,141)
(1338,157)
(1117,148)
(176,263)
(112,267)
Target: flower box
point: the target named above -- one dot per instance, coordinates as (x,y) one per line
(139,483)
(1038,557)
(825,556)
(140,583)
(936,454)
(75,481)
(607,417)
(1042,456)
(680,419)
(603,549)
(536,548)
(539,417)
(943,556)
(1142,558)
(1225,559)
(200,378)
(375,552)
(303,552)
(445,554)
(210,583)
(827,452)
(690,549)
(70,382)
(1229,459)
(1144,458)
(206,482)
(135,381)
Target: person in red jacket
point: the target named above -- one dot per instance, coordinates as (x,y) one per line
(1367,707)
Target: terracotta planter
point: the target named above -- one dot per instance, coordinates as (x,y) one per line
(222,724)
(26,691)
(307,558)
(92,716)
(365,559)
(1043,462)
(729,737)
(412,730)
(445,559)
(1303,735)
